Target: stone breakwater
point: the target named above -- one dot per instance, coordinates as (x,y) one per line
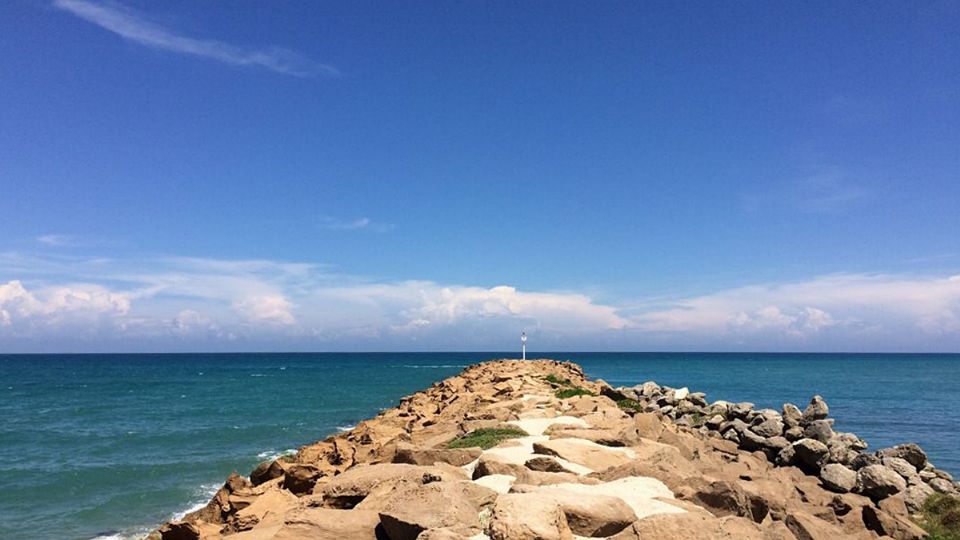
(533,450)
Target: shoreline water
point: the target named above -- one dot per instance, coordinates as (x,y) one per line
(890,403)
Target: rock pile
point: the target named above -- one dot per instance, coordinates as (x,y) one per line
(512,450)
(804,439)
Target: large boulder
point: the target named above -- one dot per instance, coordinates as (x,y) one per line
(887,524)
(353,485)
(791,415)
(327,524)
(179,531)
(266,471)
(910,452)
(300,478)
(807,527)
(811,454)
(723,498)
(429,456)
(769,428)
(900,466)
(878,482)
(838,478)
(414,508)
(821,430)
(694,525)
(915,495)
(587,453)
(595,515)
(816,410)
(517,516)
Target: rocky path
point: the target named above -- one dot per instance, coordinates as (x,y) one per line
(587,467)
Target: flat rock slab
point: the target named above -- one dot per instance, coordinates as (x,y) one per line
(586,453)
(641,494)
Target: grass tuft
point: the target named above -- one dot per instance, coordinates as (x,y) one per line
(486,437)
(553,379)
(941,517)
(630,404)
(565,393)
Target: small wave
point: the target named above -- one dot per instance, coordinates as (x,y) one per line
(204,493)
(257,375)
(271,455)
(341,429)
(433,366)
(283,368)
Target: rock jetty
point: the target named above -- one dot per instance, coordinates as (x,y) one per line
(525,450)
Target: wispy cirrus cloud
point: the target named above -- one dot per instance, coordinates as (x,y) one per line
(131,26)
(362,223)
(829,190)
(56,240)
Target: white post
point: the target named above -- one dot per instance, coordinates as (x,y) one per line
(523,344)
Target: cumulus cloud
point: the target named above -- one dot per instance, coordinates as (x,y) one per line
(131,26)
(21,308)
(857,304)
(302,305)
(270,308)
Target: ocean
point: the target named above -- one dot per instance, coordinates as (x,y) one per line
(109,446)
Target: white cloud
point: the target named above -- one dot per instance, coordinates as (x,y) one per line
(206,301)
(858,304)
(82,303)
(335,224)
(129,25)
(55,240)
(269,308)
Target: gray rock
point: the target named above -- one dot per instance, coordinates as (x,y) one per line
(791,415)
(648,388)
(697,398)
(732,435)
(838,478)
(786,457)
(736,424)
(666,410)
(750,441)
(811,454)
(862,460)
(943,474)
(816,410)
(777,444)
(899,466)
(821,430)
(915,495)
(714,421)
(794,434)
(720,407)
(910,452)
(769,428)
(879,482)
(943,486)
(741,410)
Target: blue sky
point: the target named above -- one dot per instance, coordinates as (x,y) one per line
(434,176)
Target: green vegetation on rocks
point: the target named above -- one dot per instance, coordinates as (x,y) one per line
(941,517)
(630,404)
(565,393)
(486,437)
(553,379)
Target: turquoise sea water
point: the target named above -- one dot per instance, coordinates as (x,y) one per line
(110,445)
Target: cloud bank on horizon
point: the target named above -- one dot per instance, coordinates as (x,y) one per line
(179,303)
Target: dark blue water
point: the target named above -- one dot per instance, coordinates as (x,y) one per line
(95,445)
